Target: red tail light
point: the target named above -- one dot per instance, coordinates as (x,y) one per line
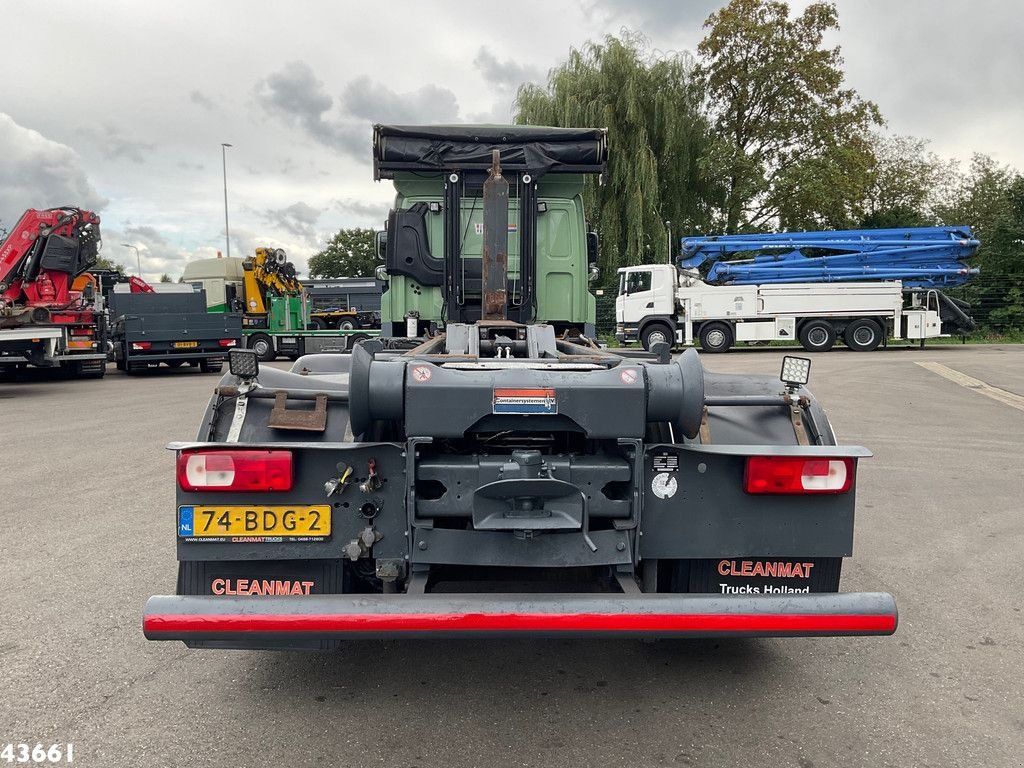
(81,331)
(229,342)
(143,345)
(214,470)
(798,474)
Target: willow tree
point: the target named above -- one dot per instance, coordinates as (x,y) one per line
(651,108)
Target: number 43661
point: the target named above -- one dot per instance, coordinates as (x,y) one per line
(38,753)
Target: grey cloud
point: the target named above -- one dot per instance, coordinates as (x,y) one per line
(298,219)
(200,98)
(506,75)
(191,166)
(114,146)
(653,17)
(295,95)
(376,103)
(37,172)
(360,209)
(149,235)
(941,75)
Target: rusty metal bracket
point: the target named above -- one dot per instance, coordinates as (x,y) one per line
(798,422)
(705,428)
(315,420)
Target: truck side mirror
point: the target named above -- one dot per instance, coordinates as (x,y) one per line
(593,248)
(381,241)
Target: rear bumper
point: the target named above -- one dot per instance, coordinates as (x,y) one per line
(256,620)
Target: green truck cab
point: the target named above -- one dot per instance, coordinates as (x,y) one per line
(432,246)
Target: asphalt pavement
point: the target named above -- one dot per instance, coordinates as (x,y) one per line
(87,514)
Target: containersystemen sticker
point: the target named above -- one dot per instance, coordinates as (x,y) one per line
(525,401)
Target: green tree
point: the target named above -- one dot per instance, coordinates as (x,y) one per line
(104,263)
(3,231)
(904,183)
(650,105)
(779,111)
(350,253)
(990,199)
(165,278)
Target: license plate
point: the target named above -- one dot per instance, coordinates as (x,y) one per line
(217,521)
(185,344)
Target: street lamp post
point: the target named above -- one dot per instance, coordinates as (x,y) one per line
(137,259)
(224,162)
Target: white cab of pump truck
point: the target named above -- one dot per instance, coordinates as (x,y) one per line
(659,303)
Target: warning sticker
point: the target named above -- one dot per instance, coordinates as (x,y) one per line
(629,376)
(421,373)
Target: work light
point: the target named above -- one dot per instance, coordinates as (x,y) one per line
(243,363)
(796,371)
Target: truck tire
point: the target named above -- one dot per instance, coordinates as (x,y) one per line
(817,336)
(174,363)
(346,325)
(210,366)
(863,335)
(656,333)
(89,370)
(716,337)
(354,339)
(263,346)
(317,324)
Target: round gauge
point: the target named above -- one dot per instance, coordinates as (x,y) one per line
(664,485)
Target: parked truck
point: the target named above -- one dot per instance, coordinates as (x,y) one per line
(149,328)
(863,287)
(432,247)
(502,477)
(44,321)
(278,317)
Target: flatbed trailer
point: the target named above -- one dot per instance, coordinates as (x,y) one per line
(172,329)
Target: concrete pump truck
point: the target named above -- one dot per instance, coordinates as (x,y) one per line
(500,474)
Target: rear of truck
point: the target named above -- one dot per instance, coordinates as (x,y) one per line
(504,477)
(386,494)
(174,329)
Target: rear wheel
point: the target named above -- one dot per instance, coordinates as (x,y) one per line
(175,363)
(317,324)
(817,336)
(863,335)
(263,346)
(354,339)
(346,325)
(210,366)
(656,333)
(715,337)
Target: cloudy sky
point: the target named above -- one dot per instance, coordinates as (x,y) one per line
(121,107)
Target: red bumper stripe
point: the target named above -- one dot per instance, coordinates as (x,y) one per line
(513,622)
